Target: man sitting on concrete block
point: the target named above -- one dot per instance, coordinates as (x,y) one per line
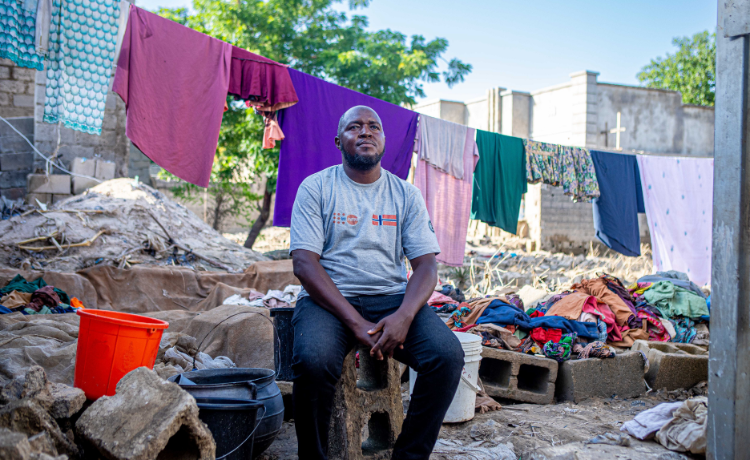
(352,226)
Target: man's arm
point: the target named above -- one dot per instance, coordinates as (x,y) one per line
(323,291)
(395,327)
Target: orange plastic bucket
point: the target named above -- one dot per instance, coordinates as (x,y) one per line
(111,344)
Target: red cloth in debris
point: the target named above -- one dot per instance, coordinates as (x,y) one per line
(544,335)
(174,82)
(264,83)
(465,328)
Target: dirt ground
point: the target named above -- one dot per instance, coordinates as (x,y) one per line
(562,431)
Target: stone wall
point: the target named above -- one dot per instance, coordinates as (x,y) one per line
(16,157)
(16,90)
(112,145)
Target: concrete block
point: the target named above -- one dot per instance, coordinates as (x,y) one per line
(58,184)
(16,161)
(622,375)
(674,365)
(105,170)
(84,166)
(367,400)
(4,98)
(12,179)
(23,100)
(12,86)
(81,184)
(44,198)
(13,193)
(518,376)
(59,198)
(24,74)
(4,73)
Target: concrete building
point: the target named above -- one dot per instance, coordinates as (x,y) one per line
(582,112)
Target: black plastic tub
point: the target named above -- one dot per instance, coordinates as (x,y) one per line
(232,423)
(216,383)
(283,344)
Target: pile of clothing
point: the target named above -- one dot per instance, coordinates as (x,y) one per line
(591,317)
(272,299)
(447,299)
(35,298)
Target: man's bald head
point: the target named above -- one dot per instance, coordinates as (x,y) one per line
(344,120)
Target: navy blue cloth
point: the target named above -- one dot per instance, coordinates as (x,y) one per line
(504,314)
(616,210)
(4,310)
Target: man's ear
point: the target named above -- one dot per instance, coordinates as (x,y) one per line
(337,141)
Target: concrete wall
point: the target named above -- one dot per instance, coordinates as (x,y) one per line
(112,144)
(654,120)
(16,90)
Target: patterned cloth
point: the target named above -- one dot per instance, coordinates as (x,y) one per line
(569,167)
(559,351)
(17,35)
(542,162)
(82,47)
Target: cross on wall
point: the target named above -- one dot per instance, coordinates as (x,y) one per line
(616,131)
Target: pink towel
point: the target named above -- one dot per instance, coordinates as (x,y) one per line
(174,83)
(448,202)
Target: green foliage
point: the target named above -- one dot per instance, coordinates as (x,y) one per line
(691,70)
(313,37)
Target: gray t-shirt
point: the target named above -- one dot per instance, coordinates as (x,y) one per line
(362,231)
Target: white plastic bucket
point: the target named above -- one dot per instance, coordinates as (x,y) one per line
(462,406)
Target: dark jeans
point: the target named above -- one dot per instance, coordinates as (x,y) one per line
(321,342)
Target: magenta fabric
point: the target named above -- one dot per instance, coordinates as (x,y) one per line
(267,80)
(310,127)
(174,83)
(448,202)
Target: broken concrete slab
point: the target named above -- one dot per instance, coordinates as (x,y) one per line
(66,400)
(29,385)
(60,400)
(518,376)
(367,409)
(165,413)
(27,417)
(52,183)
(42,443)
(580,379)
(673,365)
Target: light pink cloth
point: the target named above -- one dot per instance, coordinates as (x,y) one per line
(174,83)
(448,202)
(678,194)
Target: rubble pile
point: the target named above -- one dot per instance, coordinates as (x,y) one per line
(120,223)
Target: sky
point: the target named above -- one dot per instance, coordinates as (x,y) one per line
(528,45)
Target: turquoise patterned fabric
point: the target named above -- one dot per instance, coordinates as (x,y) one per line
(82,40)
(17,28)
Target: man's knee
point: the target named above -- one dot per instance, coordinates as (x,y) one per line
(316,365)
(448,360)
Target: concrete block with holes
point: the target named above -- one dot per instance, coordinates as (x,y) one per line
(58,184)
(580,379)
(518,376)
(367,409)
(673,365)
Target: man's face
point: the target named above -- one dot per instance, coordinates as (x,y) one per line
(361,140)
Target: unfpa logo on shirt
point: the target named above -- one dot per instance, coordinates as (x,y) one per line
(343,218)
(384,219)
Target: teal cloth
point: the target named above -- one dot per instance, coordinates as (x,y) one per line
(675,301)
(17,35)
(19,283)
(499,180)
(82,41)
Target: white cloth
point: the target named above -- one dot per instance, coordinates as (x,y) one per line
(678,195)
(41,31)
(441,144)
(669,327)
(686,431)
(648,422)
(122,23)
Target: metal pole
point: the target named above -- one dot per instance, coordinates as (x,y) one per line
(728,429)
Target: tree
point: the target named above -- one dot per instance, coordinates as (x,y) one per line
(313,37)
(691,70)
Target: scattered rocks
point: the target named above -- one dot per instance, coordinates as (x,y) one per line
(164,411)
(13,446)
(484,432)
(27,417)
(61,401)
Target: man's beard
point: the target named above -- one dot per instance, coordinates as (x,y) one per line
(360,163)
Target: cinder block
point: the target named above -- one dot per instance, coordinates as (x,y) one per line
(81,184)
(12,179)
(84,166)
(44,198)
(4,73)
(105,170)
(57,184)
(58,198)
(674,365)
(16,161)
(23,100)
(23,74)
(518,376)
(13,193)
(368,397)
(580,379)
